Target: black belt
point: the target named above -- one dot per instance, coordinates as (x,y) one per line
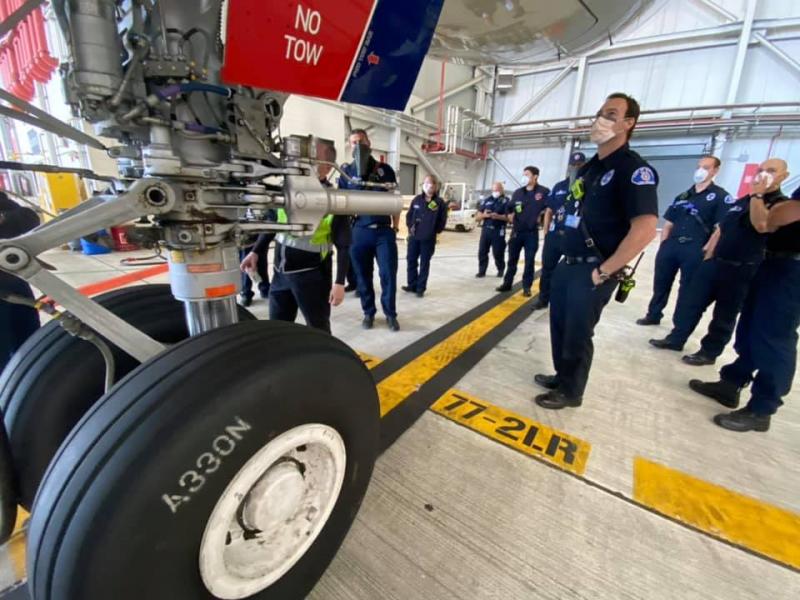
(735,263)
(789,255)
(581,260)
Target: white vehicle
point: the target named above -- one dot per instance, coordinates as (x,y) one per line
(461,216)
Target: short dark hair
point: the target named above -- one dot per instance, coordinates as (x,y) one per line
(533,170)
(359,131)
(717,162)
(631,112)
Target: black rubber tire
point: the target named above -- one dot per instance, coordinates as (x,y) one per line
(55,378)
(100,528)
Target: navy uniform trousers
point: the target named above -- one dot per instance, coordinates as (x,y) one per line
(418,262)
(368,246)
(766,338)
(307,291)
(529,241)
(551,254)
(575,308)
(495,240)
(717,281)
(673,256)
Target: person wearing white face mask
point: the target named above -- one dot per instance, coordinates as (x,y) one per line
(766,336)
(735,252)
(611,215)
(689,223)
(425,219)
(493,217)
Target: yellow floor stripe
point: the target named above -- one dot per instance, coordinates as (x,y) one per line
(402,383)
(515,431)
(16,545)
(756,525)
(370,361)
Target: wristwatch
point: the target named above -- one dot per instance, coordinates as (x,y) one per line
(759,196)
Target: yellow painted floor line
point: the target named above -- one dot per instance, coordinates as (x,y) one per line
(405,381)
(515,431)
(740,519)
(369,360)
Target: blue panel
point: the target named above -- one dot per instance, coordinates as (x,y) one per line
(390,58)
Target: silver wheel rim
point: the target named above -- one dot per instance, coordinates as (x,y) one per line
(272,511)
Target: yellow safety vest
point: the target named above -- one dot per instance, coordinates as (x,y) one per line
(319,242)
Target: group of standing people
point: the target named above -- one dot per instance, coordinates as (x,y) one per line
(303,265)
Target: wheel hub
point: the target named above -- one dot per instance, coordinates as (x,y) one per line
(275,498)
(272,511)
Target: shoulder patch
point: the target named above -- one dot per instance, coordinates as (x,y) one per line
(643,176)
(729,199)
(607,177)
(711,197)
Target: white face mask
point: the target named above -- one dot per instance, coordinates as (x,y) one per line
(428,188)
(602,131)
(700,175)
(496,194)
(766,178)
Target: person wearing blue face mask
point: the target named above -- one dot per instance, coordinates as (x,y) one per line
(689,223)
(492,215)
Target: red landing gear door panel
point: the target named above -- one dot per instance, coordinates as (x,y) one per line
(361,51)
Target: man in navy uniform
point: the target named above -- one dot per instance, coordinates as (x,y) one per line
(527,203)
(611,216)
(303,268)
(425,219)
(689,223)
(766,337)
(554,227)
(492,217)
(374,236)
(734,254)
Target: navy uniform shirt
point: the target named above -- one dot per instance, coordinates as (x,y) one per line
(555,202)
(378,173)
(694,215)
(526,206)
(786,238)
(739,241)
(617,189)
(494,205)
(426,217)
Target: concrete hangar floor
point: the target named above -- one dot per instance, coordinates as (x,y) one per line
(481,494)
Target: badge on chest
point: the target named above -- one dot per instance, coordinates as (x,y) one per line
(572,221)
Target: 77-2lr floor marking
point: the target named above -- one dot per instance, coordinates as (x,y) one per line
(515,431)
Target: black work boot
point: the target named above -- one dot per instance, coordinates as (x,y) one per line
(480,275)
(555,400)
(699,359)
(503,288)
(648,321)
(527,292)
(393,323)
(743,420)
(724,392)
(539,305)
(549,382)
(368,322)
(666,344)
